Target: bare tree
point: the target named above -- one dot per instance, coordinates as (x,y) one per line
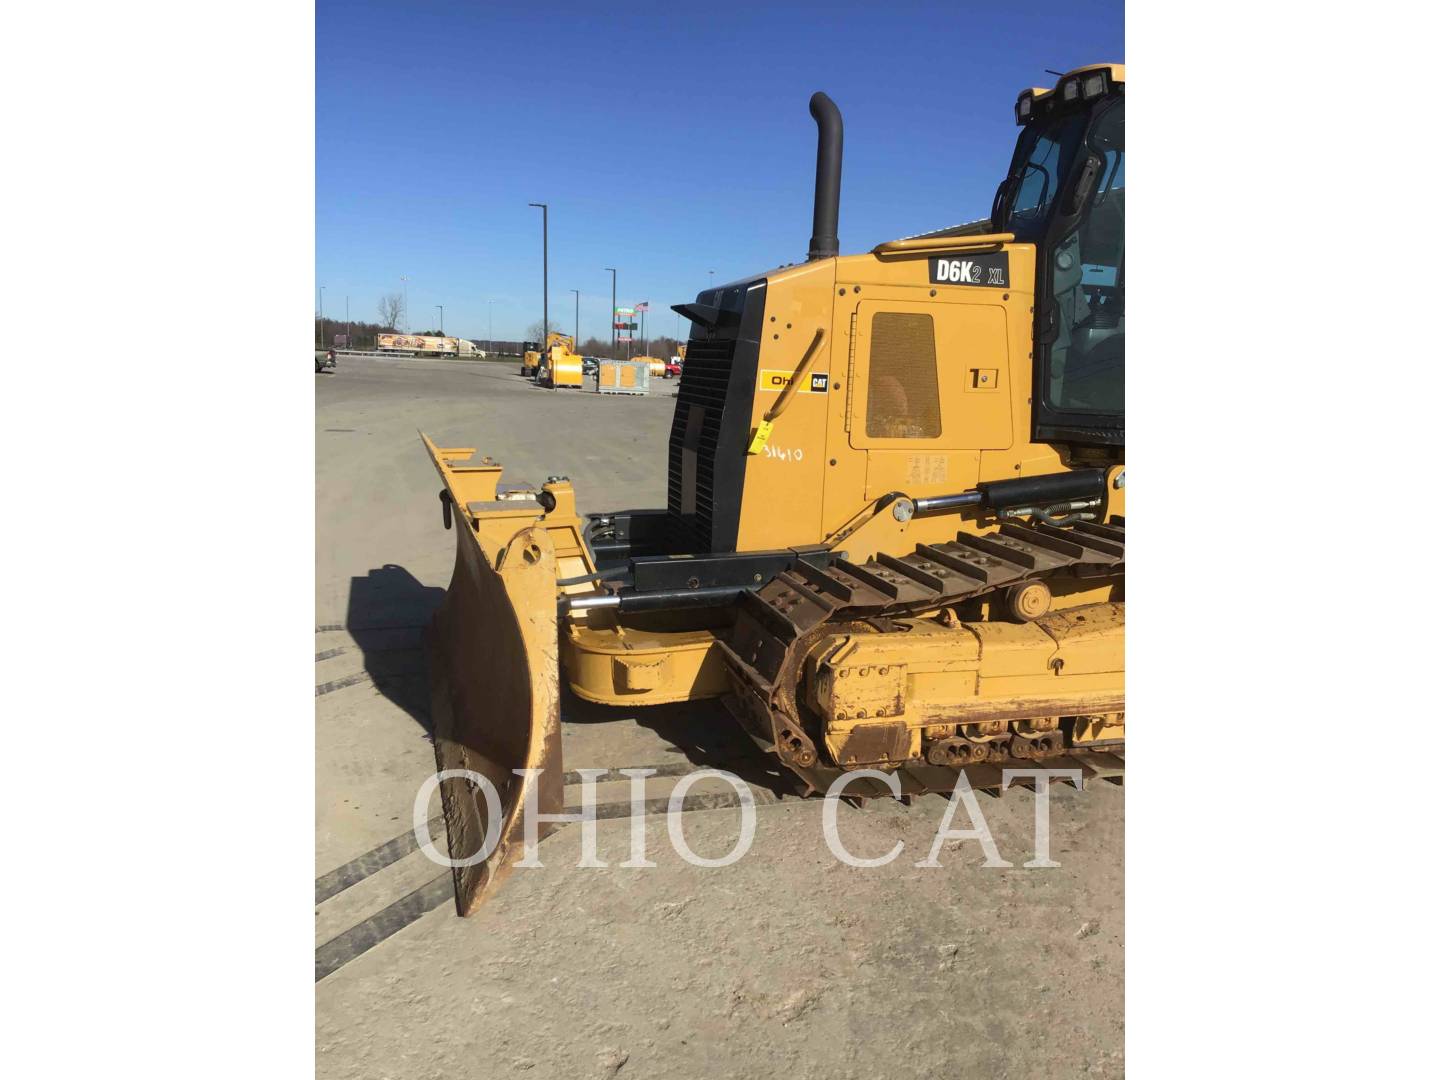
(392,307)
(536,331)
(593,346)
(664,346)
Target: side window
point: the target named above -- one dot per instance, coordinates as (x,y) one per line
(1040,179)
(903,395)
(1087,358)
(1043,158)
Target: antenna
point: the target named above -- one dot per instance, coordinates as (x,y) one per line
(1057,74)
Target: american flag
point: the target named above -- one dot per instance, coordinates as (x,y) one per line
(644,305)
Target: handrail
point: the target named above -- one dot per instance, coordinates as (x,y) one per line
(767,422)
(926,244)
(783,401)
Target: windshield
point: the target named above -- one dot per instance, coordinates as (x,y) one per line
(1042,161)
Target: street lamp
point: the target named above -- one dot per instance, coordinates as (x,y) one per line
(612,311)
(405,284)
(441,307)
(490,312)
(320,333)
(545,264)
(577,318)
(712,279)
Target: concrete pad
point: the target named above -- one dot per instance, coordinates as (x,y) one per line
(787,962)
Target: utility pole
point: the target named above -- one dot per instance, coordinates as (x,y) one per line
(442,319)
(577,318)
(545,264)
(612,312)
(320,333)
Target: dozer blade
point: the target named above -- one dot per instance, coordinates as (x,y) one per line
(495,691)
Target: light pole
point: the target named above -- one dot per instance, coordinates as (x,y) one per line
(442,318)
(577,318)
(348,343)
(612,312)
(405,284)
(320,333)
(644,306)
(490,312)
(545,265)
(712,279)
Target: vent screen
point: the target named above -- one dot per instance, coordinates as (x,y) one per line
(903,395)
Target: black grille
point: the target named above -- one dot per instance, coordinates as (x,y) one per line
(708,433)
(695,439)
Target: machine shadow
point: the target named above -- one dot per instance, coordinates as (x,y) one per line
(387,612)
(702,731)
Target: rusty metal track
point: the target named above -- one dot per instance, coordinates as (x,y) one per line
(777,625)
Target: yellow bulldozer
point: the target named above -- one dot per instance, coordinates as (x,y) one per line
(894,537)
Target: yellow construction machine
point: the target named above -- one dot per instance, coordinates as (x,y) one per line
(535,360)
(894,536)
(561,365)
(529,358)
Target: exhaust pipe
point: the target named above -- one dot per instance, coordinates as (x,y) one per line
(825,238)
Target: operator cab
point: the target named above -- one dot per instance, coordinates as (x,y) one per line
(1065,193)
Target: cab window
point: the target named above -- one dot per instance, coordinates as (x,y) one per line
(1087,359)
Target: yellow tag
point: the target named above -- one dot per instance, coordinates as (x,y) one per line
(762,436)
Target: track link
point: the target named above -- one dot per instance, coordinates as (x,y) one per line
(779,623)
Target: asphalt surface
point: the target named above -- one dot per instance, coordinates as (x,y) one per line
(786,963)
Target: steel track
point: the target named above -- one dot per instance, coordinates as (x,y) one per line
(778,624)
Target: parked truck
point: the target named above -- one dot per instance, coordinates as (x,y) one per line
(423,345)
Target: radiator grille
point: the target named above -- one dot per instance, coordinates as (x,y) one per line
(903,393)
(694,441)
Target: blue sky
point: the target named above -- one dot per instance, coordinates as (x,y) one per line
(668,139)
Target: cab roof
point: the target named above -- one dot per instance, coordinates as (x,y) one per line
(1035,101)
(1117,75)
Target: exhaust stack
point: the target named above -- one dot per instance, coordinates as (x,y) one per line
(825,238)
